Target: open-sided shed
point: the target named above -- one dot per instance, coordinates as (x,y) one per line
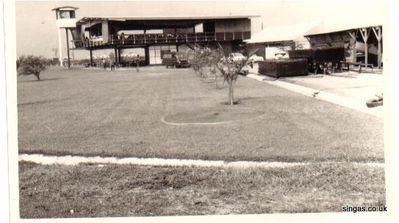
(365,32)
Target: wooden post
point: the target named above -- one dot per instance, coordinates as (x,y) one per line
(378,34)
(365,34)
(116,55)
(147,55)
(67,40)
(352,34)
(91,57)
(119,55)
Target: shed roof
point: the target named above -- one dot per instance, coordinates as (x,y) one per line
(340,24)
(281,33)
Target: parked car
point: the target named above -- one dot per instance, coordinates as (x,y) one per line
(174,59)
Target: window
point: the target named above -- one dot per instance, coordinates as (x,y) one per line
(67,14)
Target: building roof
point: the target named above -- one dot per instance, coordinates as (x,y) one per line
(281,33)
(339,25)
(141,18)
(65,8)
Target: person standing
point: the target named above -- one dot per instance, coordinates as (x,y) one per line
(137,62)
(104,64)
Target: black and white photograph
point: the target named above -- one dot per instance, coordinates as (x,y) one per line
(198,108)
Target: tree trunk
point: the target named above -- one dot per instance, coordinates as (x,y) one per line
(37,75)
(216,81)
(231,97)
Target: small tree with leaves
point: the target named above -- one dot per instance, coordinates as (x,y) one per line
(230,69)
(31,65)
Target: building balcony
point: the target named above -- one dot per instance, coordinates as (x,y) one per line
(159,39)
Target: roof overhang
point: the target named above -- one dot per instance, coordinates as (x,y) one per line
(65,8)
(281,34)
(161,18)
(334,27)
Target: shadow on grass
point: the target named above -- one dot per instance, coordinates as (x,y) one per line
(42,80)
(40,102)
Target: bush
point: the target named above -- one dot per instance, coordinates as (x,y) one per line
(31,65)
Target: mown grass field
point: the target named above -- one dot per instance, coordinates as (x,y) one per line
(125,190)
(125,113)
(96,112)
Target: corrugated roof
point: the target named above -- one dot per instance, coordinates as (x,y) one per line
(281,33)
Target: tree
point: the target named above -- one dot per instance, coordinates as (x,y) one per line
(214,60)
(230,69)
(27,65)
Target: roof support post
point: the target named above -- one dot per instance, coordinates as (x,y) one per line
(67,43)
(91,57)
(119,55)
(378,34)
(352,44)
(147,54)
(365,34)
(116,55)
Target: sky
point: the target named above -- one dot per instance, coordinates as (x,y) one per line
(36,31)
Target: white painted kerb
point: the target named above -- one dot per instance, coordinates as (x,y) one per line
(76,160)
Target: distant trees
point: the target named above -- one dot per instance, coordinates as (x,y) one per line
(31,65)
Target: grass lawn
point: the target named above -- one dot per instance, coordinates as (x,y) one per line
(96,112)
(125,190)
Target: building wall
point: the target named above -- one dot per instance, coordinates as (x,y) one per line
(233,25)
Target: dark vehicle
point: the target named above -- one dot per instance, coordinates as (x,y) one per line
(173,59)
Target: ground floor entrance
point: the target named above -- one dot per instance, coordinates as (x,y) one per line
(155,52)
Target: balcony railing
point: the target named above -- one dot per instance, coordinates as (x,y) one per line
(146,39)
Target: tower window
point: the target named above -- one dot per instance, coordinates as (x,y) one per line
(67,14)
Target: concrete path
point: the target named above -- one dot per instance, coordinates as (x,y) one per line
(349,89)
